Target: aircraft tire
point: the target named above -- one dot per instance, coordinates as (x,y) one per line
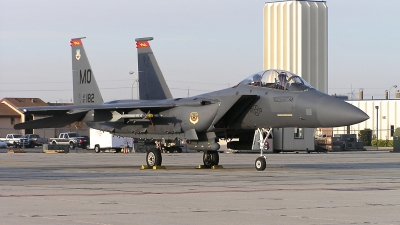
(210,158)
(260,163)
(153,157)
(215,158)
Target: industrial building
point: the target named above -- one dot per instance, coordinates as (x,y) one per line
(384,118)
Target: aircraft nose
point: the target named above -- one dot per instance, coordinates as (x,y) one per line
(333,112)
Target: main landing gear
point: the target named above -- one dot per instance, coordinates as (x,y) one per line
(154,158)
(210,158)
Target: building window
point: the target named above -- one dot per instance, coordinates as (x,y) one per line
(12,120)
(298,133)
(391,130)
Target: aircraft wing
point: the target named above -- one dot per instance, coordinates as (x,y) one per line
(51,122)
(62,110)
(61,116)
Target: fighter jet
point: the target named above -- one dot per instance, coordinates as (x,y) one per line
(267,99)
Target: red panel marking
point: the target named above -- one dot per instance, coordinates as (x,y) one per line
(142,44)
(76,42)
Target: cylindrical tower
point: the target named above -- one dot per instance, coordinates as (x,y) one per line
(296,39)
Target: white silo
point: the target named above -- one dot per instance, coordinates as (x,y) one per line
(296,39)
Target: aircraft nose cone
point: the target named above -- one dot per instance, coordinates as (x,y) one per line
(333,112)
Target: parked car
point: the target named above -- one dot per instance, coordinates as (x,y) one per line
(35,140)
(15,140)
(84,142)
(3,144)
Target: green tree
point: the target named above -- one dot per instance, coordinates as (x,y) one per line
(365,136)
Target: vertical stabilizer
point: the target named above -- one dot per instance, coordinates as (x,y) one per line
(86,91)
(152,85)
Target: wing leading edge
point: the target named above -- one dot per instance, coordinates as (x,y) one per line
(64,115)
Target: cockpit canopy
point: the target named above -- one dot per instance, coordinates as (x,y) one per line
(277,79)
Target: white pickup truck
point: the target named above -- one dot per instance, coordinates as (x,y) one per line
(72,139)
(15,140)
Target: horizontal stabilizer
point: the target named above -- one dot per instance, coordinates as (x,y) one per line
(51,122)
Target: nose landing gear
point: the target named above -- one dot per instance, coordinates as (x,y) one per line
(260,141)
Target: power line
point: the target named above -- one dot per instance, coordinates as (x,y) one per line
(70,89)
(101,81)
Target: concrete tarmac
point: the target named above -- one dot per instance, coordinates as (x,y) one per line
(82,187)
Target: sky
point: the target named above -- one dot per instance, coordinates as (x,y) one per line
(200,46)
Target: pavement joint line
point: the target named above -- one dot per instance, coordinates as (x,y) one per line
(356,188)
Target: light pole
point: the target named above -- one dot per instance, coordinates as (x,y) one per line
(137,85)
(394,86)
(377,118)
(131,73)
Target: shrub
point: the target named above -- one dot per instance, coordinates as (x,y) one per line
(365,136)
(382,143)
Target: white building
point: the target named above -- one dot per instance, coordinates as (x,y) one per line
(387,115)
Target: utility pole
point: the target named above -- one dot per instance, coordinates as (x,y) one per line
(131,73)
(377,119)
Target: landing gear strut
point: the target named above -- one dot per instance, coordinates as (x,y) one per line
(210,158)
(260,139)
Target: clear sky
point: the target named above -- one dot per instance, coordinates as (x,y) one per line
(200,46)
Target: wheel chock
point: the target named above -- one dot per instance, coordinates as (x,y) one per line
(144,167)
(16,151)
(53,151)
(159,168)
(217,167)
(50,152)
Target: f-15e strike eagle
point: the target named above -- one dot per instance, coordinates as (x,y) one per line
(267,99)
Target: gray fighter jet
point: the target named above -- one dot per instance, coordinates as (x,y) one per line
(267,99)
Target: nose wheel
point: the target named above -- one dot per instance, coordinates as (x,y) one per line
(260,163)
